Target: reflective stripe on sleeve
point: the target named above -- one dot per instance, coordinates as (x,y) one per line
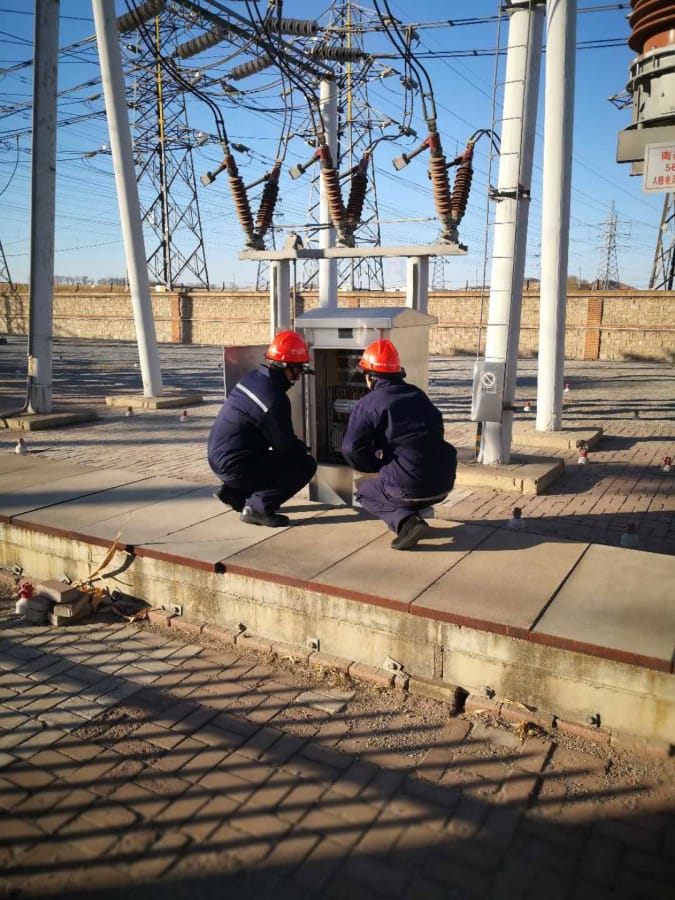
(253,397)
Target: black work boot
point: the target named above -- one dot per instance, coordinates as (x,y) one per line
(230,497)
(269,518)
(412,530)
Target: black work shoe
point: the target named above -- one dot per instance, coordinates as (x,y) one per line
(230,498)
(270,519)
(413,529)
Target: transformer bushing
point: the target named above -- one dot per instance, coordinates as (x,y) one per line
(652,80)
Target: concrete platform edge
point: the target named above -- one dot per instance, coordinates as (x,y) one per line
(43,421)
(568,684)
(526,435)
(166,401)
(515,479)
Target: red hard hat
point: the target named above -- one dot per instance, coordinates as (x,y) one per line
(381,357)
(289,348)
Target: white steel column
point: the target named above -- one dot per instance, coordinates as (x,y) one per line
(555,224)
(328,267)
(510,233)
(42,201)
(417,283)
(280,296)
(127,193)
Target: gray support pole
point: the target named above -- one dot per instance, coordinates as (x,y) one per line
(127,193)
(328,267)
(555,223)
(280,296)
(510,233)
(417,283)
(42,203)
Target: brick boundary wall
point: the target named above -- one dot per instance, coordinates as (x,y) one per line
(601,325)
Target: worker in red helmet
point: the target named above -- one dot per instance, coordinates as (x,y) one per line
(252,447)
(396,431)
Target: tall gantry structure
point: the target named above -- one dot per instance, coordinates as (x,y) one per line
(438,274)
(608,268)
(358,122)
(663,269)
(5,277)
(163,144)
(256,65)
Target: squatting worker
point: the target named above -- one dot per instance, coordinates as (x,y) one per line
(252,447)
(396,431)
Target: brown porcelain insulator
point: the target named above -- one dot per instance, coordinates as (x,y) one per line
(357,197)
(331,181)
(241,204)
(653,24)
(441,185)
(460,191)
(240,197)
(267,203)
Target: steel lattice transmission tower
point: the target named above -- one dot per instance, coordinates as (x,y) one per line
(355,126)
(5,277)
(438,273)
(163,143)
(663,270)
(608,269)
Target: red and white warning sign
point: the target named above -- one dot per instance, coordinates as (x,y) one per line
(659,168)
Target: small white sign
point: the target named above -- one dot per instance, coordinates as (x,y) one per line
(659,168)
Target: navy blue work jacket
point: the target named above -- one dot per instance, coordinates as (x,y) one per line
(255,417)
(400,421)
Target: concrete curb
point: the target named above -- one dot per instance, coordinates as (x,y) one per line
(460,700)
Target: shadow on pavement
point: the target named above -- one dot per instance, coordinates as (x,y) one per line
(215,780)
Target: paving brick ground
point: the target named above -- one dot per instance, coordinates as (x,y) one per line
(198,771)
(134,764)
(623,484)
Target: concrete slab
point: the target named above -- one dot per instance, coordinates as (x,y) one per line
(48,489)
(394,579)
(42,421)
(523,475)
(504,584)
(166,401)
(22,471)
(307,549)
(107,512)
(208,544)
(618,599)
(158,520)
(13,462)
(525,434)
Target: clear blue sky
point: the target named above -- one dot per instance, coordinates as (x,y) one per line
(88,240)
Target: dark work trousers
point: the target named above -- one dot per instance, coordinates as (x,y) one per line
(391,503)
(267,481)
